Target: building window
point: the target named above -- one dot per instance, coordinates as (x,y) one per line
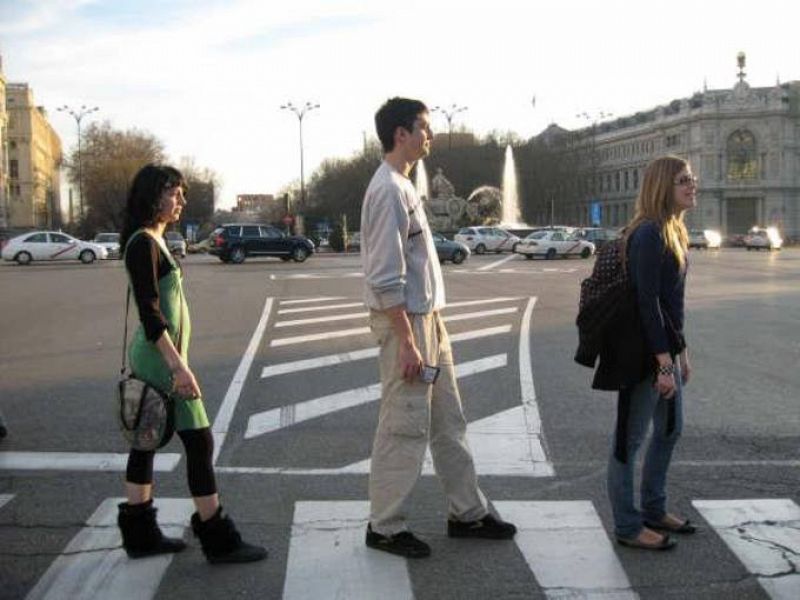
(742,158)
(13,168)
(616,181)
(627,180)
(636,179)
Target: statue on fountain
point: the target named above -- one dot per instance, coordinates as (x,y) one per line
(444,209)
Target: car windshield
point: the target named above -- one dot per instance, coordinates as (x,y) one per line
(572,237)
(536,235)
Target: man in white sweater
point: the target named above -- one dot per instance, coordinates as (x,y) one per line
(420,402)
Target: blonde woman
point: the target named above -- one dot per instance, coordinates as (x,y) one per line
(657,243)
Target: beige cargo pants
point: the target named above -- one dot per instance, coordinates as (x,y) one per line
(411,415)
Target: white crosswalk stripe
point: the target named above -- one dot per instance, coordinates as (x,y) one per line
(765,535)
(5,499)
(328,557)
(314,300)
(78,461)
(93,565)
(567,549)
(286,416)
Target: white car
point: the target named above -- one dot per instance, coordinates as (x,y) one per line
(51,245)
(768,239)
(549,244)
(487,239)
(109,241)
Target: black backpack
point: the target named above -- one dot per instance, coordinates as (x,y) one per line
(604,294)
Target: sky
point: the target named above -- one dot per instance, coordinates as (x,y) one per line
(208,77)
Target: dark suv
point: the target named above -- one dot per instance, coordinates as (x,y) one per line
(234,242)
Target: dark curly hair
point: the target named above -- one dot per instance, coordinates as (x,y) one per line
(144,197)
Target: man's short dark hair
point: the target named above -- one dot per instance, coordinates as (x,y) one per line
(396,112)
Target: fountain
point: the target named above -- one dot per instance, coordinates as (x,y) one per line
(421,181)
(510,215)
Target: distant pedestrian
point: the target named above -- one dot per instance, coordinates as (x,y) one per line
(657,262)
(420,401)
(158,355)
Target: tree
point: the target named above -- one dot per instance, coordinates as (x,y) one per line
(201,199)
(110,159)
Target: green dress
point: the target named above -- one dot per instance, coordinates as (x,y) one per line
(145,358)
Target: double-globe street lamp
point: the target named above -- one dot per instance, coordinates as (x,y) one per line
(300,112)
(78,114)
(449,113)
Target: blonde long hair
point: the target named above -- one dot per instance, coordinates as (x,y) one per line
(656,202)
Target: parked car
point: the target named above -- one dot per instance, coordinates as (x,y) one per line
(175,243)
(760,238)
(109,241)
(487,239)
(51,245)
(599,236)
(552,243)
(234,242)
(703,239)
(450,250)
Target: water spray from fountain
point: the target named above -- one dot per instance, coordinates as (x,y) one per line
(511,214)
(421,181)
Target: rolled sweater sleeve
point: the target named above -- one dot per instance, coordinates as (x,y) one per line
(646,261)
(142,261)
(384,239)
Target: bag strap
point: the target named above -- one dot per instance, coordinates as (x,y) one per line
(125,325)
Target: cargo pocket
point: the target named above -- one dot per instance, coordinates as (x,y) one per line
(409,415)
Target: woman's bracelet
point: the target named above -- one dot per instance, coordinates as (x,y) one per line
(665,369)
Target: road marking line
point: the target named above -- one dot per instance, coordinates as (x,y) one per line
(286,416)
(329,335)
(313,337)
(501,445)
(93,565)
(345,357)
(479,314)
(78,461)
(497,263)
(567,549)
(533,419)
(328,557)
(311,300)
(226,409)
(764,536)
(5,499)
(476,302)
(325,319)
(287,311)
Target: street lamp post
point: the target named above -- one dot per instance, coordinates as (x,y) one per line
(78,114)
(300,112)
(593,119)
(449,113)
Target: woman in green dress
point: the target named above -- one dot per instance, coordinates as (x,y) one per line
(158,355)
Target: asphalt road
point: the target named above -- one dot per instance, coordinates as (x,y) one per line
(294,437)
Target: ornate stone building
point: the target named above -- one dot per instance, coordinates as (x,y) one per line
(743,144)
(34,162)
(3,151)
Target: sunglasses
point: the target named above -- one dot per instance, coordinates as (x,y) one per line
(686,180)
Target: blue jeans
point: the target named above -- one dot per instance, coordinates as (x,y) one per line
(645,405)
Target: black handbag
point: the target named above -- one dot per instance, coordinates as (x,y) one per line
(146,414)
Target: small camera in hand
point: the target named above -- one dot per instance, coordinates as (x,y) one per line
(429,374)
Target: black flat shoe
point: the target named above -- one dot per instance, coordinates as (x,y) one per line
(665,544)
(686,527)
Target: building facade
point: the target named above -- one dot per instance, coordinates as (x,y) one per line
(3,151)
(743,144)
(34,162)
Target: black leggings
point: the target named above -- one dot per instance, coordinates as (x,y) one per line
(199,444)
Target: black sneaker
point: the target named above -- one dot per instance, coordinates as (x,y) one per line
(488,528)
(404,543)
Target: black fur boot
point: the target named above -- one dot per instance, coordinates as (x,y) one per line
(141,535)
(222,543)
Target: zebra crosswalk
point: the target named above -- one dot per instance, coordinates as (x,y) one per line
(566,551)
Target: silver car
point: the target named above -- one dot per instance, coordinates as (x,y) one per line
(51,245)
